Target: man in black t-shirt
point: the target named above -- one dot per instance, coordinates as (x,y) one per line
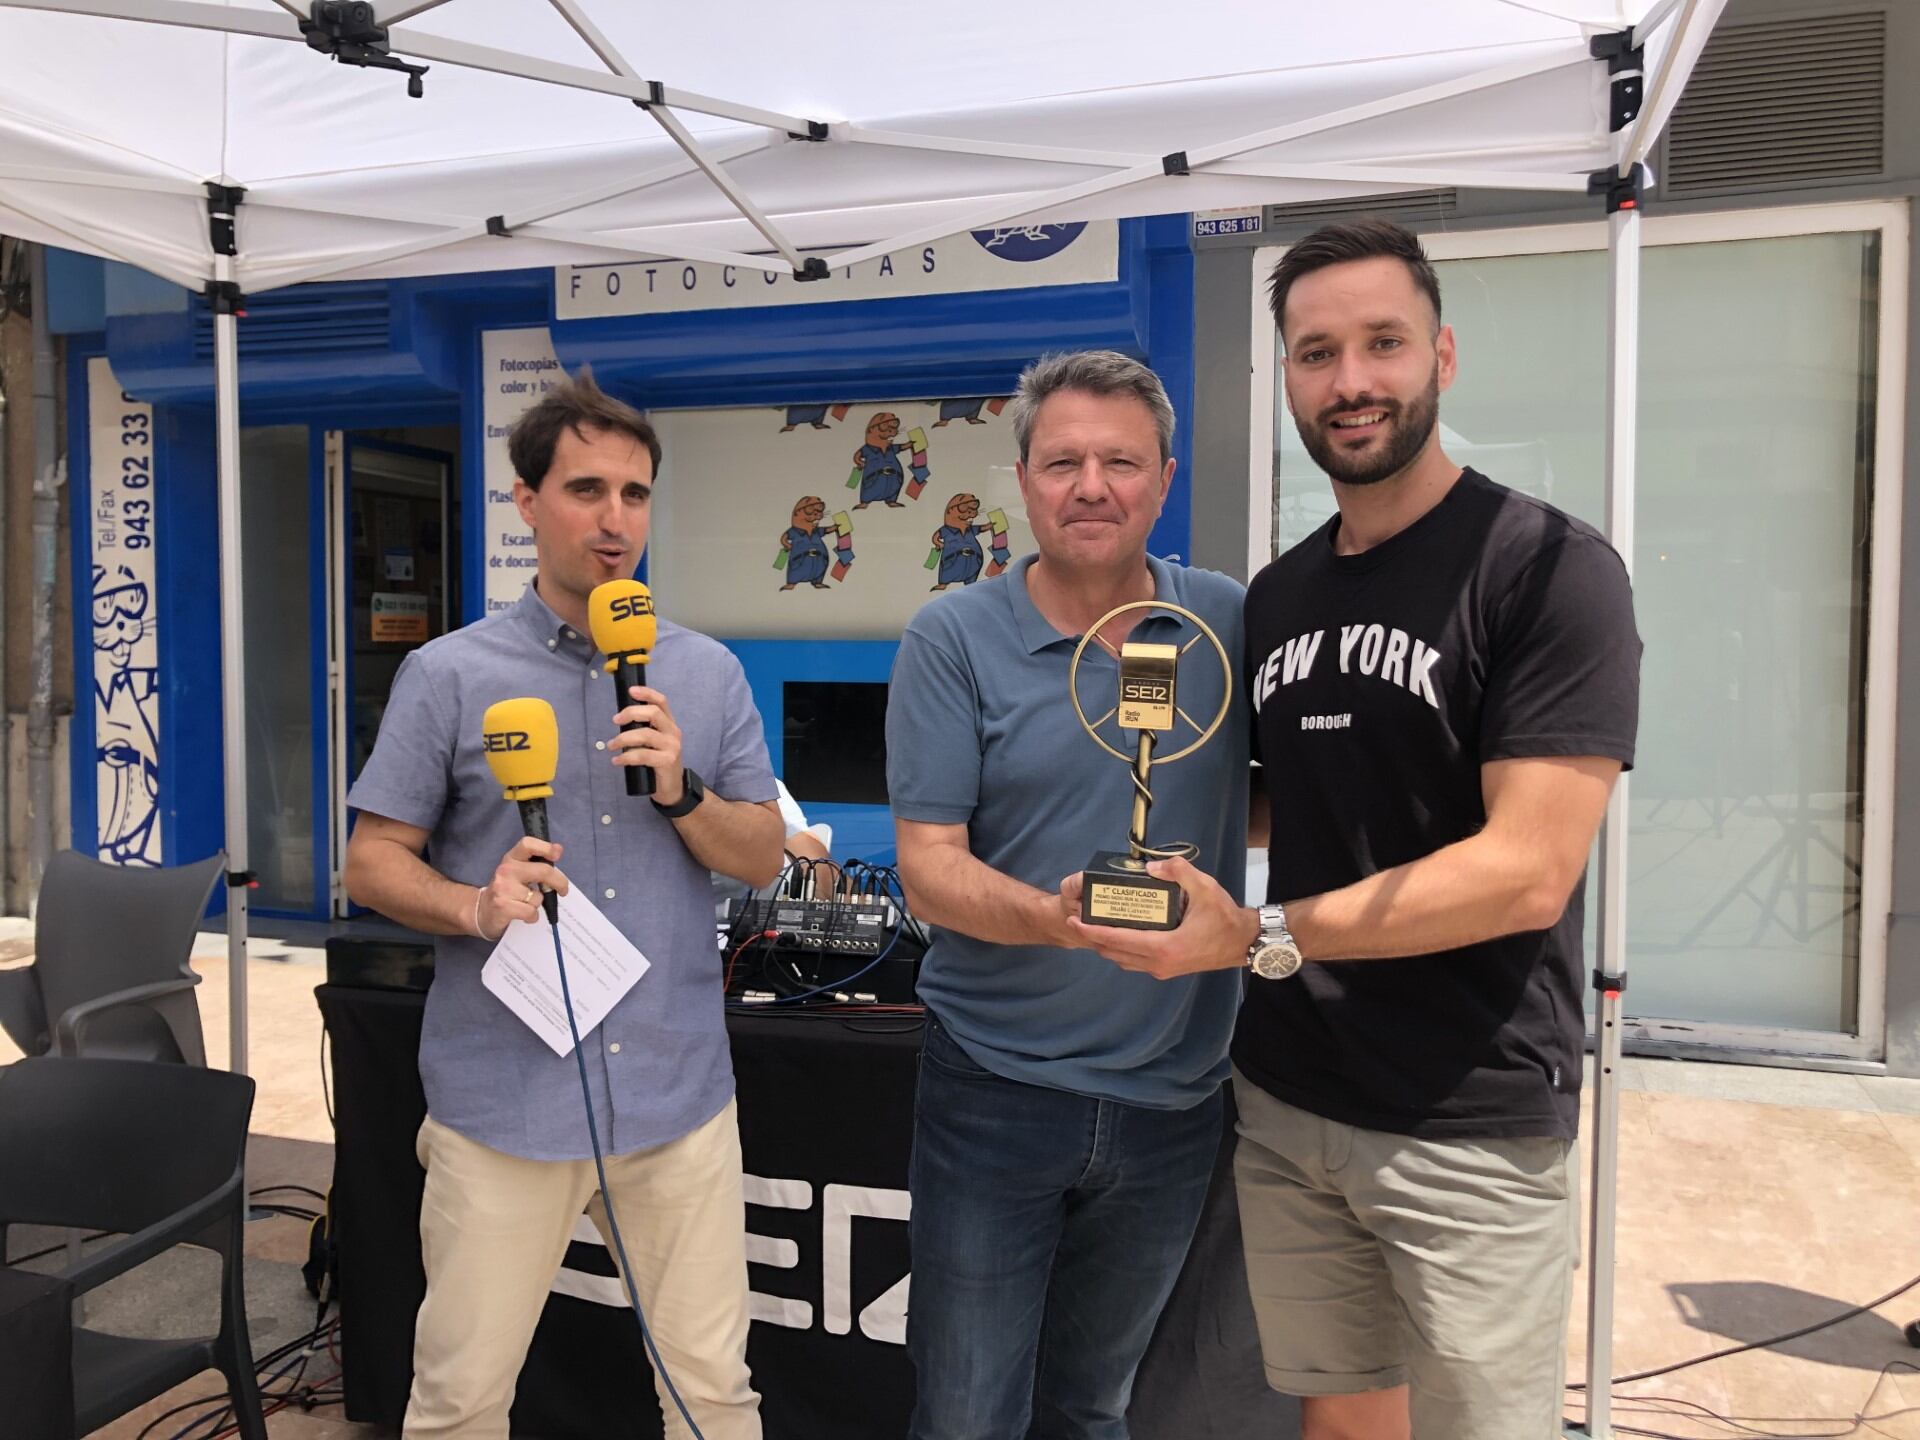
(1446,676)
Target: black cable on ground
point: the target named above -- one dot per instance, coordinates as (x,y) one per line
(218,1403)
(1636,1404)
(1767,1344)
(299,1189)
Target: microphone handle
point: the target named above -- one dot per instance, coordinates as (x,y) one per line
(640,778)
(533,820)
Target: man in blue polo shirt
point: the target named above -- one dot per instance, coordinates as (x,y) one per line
(1068,1112)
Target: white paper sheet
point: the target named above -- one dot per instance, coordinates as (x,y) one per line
(602,965)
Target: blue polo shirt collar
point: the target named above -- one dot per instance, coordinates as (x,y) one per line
(1037,633)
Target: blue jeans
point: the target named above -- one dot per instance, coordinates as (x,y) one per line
(1048,1229)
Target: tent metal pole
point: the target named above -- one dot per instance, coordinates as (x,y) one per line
(419,7)
(6,717)
(1644,134)
(89,240)
(1404,176)
(722,154)
(710,166)
(300,270)
(48,175)
(1610,977)
(49,474)
(634,243)
(424,45)
(233,679)
(727,186)
(258,282)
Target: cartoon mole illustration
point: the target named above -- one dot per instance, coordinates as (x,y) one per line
(880,474)
(877,471)
(805,548)
(956,547)
(969,410)
(814,415)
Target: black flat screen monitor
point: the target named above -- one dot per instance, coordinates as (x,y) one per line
(835,738)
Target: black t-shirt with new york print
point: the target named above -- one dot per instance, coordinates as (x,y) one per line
(1492,628)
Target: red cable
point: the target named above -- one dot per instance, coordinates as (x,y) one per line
(281,1403)
(727,983)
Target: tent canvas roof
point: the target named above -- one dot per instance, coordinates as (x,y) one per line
(937,120)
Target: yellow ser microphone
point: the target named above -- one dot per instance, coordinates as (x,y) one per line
(521,741)
(620,614)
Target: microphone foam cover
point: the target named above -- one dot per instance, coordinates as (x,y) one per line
(521,740)
(620,614)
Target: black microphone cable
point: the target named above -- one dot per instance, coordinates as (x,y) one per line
(600,1169)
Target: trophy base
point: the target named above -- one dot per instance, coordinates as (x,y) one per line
(1116,890)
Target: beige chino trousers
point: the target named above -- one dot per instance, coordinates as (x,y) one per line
(493,1231)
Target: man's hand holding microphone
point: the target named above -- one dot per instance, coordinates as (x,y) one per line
(620,614)
(522,742)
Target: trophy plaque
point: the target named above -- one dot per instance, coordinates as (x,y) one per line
(1116,888)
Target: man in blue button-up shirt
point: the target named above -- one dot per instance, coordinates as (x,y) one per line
(505,1144)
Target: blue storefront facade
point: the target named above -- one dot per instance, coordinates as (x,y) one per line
(376,510)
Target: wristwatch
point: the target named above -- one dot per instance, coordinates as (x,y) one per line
(696,792)
(1273,955)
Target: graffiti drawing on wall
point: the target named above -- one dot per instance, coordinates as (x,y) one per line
(122,520)
(957,552)
(127,748)
(803,552)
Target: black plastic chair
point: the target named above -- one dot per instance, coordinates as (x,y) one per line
(110,976)
(150,1152)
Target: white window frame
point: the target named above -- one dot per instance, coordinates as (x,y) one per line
(1814,1049)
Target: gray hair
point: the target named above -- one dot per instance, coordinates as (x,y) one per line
(1093,372)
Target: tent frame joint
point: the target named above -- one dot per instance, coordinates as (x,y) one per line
(242,880)
(814,267)
(222,201)
(656,95)
(1606,982)
(497,225)
(1626,61)
(1622,192)
(815,133)
(224,297)
(1175,164)
(1620,49)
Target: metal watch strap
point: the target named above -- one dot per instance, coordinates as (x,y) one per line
(1273,927)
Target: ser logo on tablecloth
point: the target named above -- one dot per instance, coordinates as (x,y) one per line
(883,1318)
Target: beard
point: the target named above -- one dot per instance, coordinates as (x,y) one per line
(1409,428)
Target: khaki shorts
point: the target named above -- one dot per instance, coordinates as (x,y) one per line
(1376,1260)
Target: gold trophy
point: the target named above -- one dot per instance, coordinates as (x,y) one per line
(1116,889)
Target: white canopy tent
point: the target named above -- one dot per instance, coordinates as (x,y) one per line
(209,144)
